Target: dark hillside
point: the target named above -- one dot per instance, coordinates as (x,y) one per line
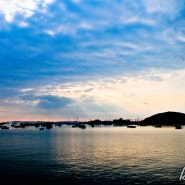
(166,118)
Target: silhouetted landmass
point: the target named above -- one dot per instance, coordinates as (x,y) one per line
(165,118)
(158,120)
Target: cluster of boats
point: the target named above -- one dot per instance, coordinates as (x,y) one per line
(82,125)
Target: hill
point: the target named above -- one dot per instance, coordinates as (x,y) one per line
(165,118)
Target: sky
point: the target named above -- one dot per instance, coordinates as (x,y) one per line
(91,59)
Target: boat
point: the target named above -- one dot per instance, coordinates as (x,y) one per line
(178,127)
(131,126)
(92,125)
(82,126)
(42,128)
(49,126)
(4,127)
(36,125)
(158,126)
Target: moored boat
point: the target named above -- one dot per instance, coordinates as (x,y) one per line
(158,126)
(131,126)
(4,127)
(178,127)
(82,126)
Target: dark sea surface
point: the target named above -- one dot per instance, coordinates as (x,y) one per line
(106,155)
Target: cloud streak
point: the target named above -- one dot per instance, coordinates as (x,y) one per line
(53,102)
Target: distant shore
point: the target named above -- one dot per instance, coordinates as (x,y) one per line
(175,119)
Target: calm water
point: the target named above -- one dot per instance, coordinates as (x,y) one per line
(106,155)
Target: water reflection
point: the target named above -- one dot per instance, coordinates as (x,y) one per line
(106,155)
(119,152)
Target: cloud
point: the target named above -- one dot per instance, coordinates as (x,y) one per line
(76,1)
(181,38)
(53,102)
(102,98)
(13,8)
(162,6)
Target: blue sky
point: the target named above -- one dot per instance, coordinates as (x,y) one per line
(91,59)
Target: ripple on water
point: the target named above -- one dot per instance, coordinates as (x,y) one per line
(96,156)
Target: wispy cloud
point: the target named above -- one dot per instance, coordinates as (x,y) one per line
(12,9)
(170,7)
(53,102)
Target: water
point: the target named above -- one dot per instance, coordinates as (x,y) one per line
(106,155)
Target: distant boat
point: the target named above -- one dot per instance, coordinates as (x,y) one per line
(42,128)
(49,126)
(58,124)
(82,126)
(73,126)
(158,126)
(4,127)
(131,126)
(178,127)
(17,126)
